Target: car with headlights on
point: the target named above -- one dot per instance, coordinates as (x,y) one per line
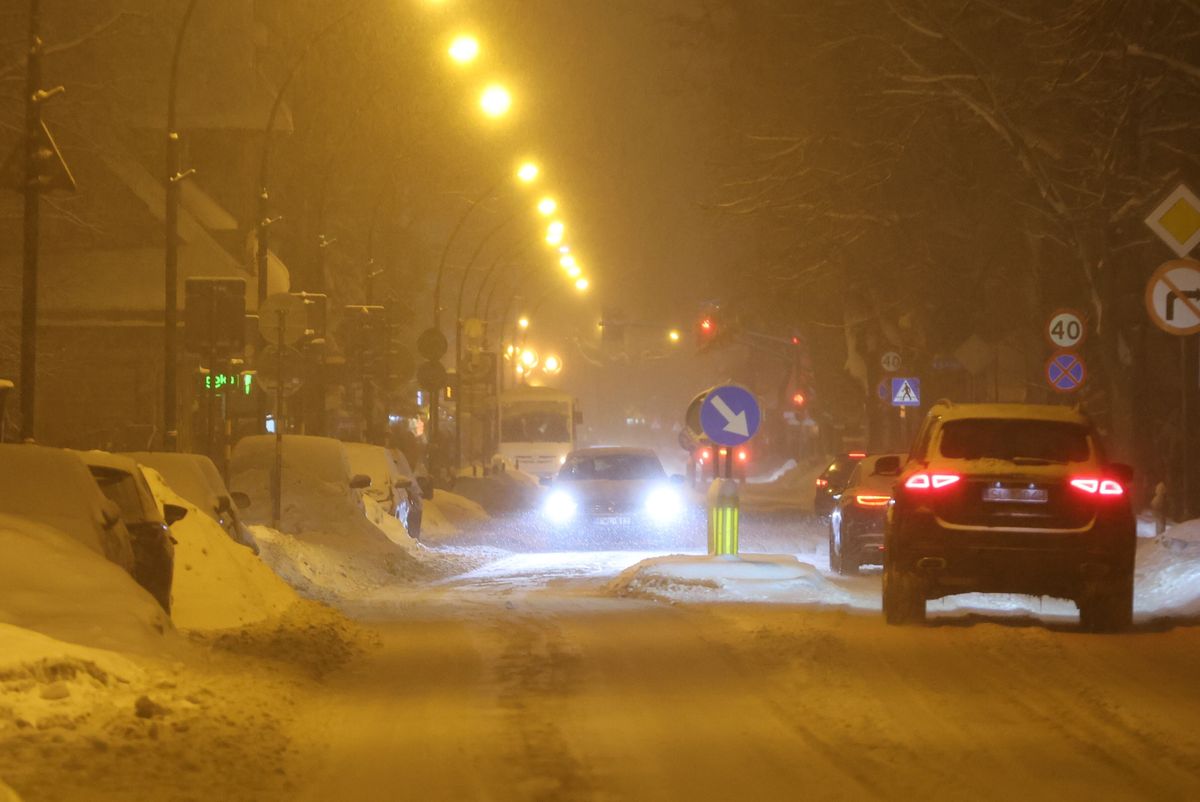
(1010,498)
(614,488)
(860,512)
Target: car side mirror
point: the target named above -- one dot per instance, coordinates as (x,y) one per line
(887,466)
(110,514)
(426,485)
(240,499)
(360,481)
(173,513)
(1122,473)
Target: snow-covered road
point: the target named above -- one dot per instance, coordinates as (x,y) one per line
(527,679)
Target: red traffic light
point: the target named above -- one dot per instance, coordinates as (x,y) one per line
(799,399)
(707,325)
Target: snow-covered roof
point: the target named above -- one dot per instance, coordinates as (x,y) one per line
(1045,412)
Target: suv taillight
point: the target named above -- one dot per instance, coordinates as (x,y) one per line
(931,481)
(1098,487)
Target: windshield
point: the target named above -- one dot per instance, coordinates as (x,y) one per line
(535,422)
(1015,440)
(613,466)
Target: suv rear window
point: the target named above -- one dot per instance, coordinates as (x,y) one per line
(1008,439)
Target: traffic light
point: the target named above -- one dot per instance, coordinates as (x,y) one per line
(799,399)
(708,327)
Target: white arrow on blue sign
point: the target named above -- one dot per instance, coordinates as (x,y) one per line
(906,392)
(730,415)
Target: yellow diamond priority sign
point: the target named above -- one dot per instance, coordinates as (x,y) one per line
(1177,221)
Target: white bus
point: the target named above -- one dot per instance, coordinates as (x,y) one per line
(537,428)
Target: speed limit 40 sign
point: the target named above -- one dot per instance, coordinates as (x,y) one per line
(1066,329)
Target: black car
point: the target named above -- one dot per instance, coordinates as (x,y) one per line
(833,479)
(860,512)
(121,481)
(1010,498)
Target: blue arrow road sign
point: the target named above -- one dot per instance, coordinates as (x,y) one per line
(730,415)
(1066,372)
(906,392)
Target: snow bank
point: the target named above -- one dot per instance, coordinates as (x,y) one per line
(745,578)
(1167,582)
(218,583)
(54,585)
(448,513)
(45,681)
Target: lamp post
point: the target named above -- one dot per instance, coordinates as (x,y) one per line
(32,223)
(171,258)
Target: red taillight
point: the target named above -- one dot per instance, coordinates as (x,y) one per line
(743,455)
(857,455)
(705,454)
(1098,487)
(822,483)
(931,481)
(872,501)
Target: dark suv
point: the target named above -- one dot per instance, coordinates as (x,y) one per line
(1010,498)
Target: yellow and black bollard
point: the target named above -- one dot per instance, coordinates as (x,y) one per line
(723,509)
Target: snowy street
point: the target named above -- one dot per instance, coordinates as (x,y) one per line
(534,674)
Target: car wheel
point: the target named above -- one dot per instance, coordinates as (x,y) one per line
(1108,607)
(903,597)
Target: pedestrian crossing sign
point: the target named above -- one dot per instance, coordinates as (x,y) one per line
(906,392)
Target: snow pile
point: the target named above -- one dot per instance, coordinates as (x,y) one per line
(1167,582)
(448,513)
(218,583)
(775,476)
(745,578)
(47,683)
(331,567)
(52,584)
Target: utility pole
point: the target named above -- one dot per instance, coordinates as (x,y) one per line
(171,258)
(34,96)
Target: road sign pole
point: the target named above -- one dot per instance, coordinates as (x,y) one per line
(277,474)
(1185,429)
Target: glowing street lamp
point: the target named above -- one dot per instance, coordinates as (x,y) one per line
(464,49)
(674,336)
(552,365)
(555,232)
(568,262)
(496,102)
(574,271)
(582,284)
(547,206)
(527,173)
(529,359)
(523,323)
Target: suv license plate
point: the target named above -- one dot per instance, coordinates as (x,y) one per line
(1020,495)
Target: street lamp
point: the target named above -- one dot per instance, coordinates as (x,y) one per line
(522,323)
(674,336)
(528,172)
(555,232)
(582,284)
(495,101)
(547,206)
(464,49)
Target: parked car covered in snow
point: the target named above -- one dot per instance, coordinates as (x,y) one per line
(122,482)
(53,487)
(393,485)
(319,490)
(196,478)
